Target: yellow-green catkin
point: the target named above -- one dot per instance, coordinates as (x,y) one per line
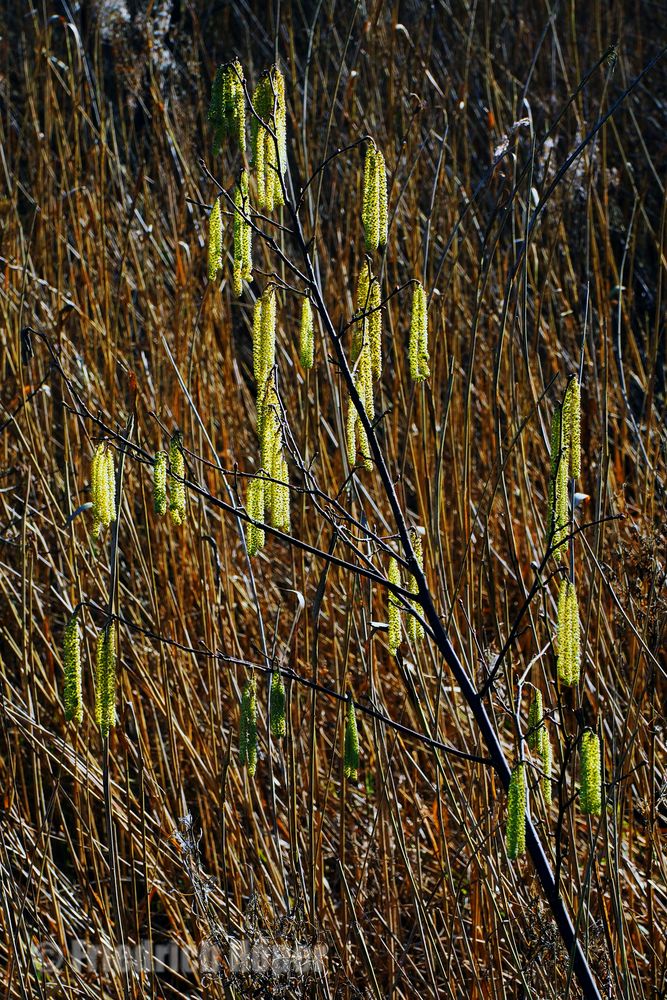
(248,728)
(72,696)
(535,723)
(105,680)
(176,486)
(306,335)
(351,755)
(255,507)
(394,608)
(227,108)
(418,350)
(269,153)
(569,648)
(264,336)
(242,267)
(374,208)
(573,409)
(415,627)
(280,506)
(103,488)
(515,837)
(546,758)
(277,703)
(160,483)
(590,794)
(363,364)
(375,328)
(214,241)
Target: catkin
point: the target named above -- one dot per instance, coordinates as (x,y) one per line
(418,349)
(277,703)
(415,627)
(176,486)
(374,207)
(535,724)
(72,696)
(375,329)
(255,507)
(248,728)
(242,267)
(351,756)
(573,402)
(160,483)
(569,650)
(105,680)
(269,153)
(553,476)
(103,488)
(214,241)
(590,795)
(264,336)
(393,610)
(546,758)
(227,108)
(516,813)
(306,336)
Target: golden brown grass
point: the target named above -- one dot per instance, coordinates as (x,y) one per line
(102,252)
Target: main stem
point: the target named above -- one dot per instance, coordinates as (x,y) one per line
(556,904)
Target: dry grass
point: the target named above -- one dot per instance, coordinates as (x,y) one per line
(102,250)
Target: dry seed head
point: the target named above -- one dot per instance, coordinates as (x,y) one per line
(516,813)
(351,756)
(277,702)
(418,351)
(214,241)
(306,337)
(105,680)
(160,483)
(176,487)
(535,723)
(394,612)
(248,728)
(590,795)
(72,695)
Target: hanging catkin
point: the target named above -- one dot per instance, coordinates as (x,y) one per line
(393,608)
(569,653)
(227,108)
(255,508)
(546,758)
(590,795)
(242,267)
(277,704)
(214,241)
(72,696)
(535,724)
(269,151)
(374,208)
(516,813)
(160,483)
(415,627)
(177,474)
(248,728)
(418,350)
(306,336)
(103,488)
(573,408)
(105,680)
(351,756)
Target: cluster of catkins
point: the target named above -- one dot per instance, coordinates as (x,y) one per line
(227,112)
(565,467)
(415,628)
(103,492)
(248,725)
